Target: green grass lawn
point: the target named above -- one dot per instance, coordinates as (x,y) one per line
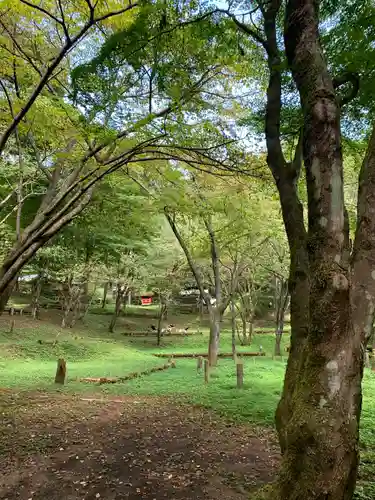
(92,352)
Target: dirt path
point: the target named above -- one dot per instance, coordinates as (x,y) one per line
(135,448)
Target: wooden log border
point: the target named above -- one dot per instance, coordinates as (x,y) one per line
(130,376)
(204,355)
(154,334)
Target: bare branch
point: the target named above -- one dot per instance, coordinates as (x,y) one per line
(115,13)
(63,23)
(245,28)
(188,255)
(10,105)
(7,198)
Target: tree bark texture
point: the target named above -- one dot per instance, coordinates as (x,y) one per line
(318,416)
(332,293)
(214,340)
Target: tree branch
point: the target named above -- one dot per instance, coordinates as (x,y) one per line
(245,28)
(347,77)
(188,256)
(44,11)
(51,68)
(363,255)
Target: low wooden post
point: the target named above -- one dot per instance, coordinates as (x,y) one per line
(239,367)
(206,371)
(199,364)
(60,372)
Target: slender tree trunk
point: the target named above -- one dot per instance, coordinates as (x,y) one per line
(278,344)
(105,292)
(213,346)
(244,329)
(66,311)
(280,315)
(118,304)
(251,330)
(162,312)
(76,305)
(233,324)
(37,290)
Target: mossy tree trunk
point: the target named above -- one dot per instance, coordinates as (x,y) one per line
(331,285)
(320,435)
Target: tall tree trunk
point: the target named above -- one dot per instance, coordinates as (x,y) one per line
(278,343)
(318,417)
(282,304)
(37,290)
(76,306)
(118,304)
(233,324)
(162,311)
(213,345)
(105,293)
(251,330)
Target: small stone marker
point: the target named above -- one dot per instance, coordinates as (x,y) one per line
(60,372)
(239,367)
(206,371)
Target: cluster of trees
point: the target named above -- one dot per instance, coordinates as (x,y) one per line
(106,103)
